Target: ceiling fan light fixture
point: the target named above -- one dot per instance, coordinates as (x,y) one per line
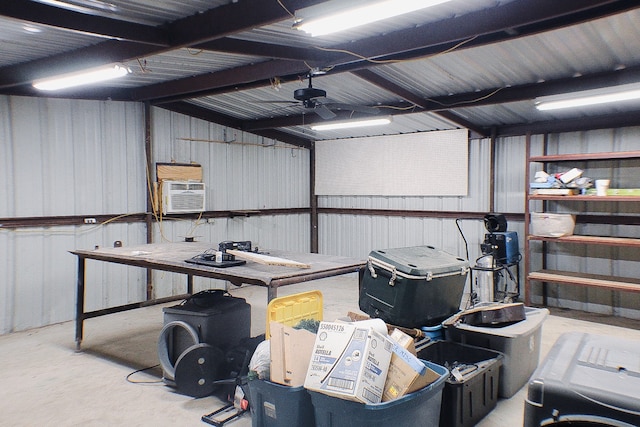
(362,15)
(352,124)
(85,77)
(620,93)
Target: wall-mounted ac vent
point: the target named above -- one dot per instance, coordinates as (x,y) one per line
(182,197)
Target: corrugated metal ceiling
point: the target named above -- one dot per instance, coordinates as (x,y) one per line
(466,63)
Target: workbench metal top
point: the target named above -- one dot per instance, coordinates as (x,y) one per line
(172,257)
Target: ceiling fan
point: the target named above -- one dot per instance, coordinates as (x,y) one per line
(309,98)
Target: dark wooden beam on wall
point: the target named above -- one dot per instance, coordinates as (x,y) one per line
(224,120)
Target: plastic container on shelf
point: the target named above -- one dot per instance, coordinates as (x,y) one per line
(552,224)
(518,342)
(421,407)
(467,401)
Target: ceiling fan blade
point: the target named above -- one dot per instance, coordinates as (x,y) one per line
(278,102)
(324,112)
(350,107)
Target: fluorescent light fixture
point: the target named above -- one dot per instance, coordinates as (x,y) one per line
(585,98)
(352,124)
(85,77)
(363,15)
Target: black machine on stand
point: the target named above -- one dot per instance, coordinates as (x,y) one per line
(498,269)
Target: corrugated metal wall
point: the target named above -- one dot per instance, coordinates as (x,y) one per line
(242,172)
(62,158)
(86,158)
(69,157)
(356,236)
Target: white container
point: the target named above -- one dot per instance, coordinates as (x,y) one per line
(552,225)
(602,185)
(519,342)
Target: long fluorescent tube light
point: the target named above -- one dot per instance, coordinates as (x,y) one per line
(79,78)
(363,15)
(585,98)
(352,124)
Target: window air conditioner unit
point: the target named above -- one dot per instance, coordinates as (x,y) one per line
(182,197)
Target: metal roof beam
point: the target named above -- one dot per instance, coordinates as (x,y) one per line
(477,28)
(580,124)
(409,96)
(209,25)
(267,50)
(224,120)
(99,26)
(446,105)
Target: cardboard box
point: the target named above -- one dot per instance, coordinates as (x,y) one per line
(406,373)
(290,354)
(349,361)
(404,339)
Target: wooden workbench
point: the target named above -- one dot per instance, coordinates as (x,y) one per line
(171,257)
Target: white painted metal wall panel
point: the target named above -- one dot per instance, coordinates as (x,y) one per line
(66,158)
(242,172)
(69,157)
(85,158)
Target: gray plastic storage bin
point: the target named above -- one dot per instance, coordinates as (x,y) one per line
(420,408)
(518,342)
(412,287)
(586,378)
(276,405)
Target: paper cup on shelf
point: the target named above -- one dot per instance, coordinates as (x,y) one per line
(602,185)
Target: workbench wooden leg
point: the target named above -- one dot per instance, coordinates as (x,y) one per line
(272,293)
(190,284)
(80,288)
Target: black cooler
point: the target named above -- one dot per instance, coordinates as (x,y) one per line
(414,286)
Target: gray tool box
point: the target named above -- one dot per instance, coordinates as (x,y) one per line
(586,380)
(414,286)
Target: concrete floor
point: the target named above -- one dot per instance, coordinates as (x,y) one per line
(46,382)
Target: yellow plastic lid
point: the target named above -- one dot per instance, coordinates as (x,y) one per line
(291,309)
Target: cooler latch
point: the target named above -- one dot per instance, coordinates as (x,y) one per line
(393,277)
(371,269)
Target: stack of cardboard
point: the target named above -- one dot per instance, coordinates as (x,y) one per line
(356,361)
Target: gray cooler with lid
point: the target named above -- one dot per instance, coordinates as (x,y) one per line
(414,286)
(586,380)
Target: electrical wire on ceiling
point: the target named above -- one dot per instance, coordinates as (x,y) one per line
(471,101)
(285,9)
(394,61)
(143,65)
